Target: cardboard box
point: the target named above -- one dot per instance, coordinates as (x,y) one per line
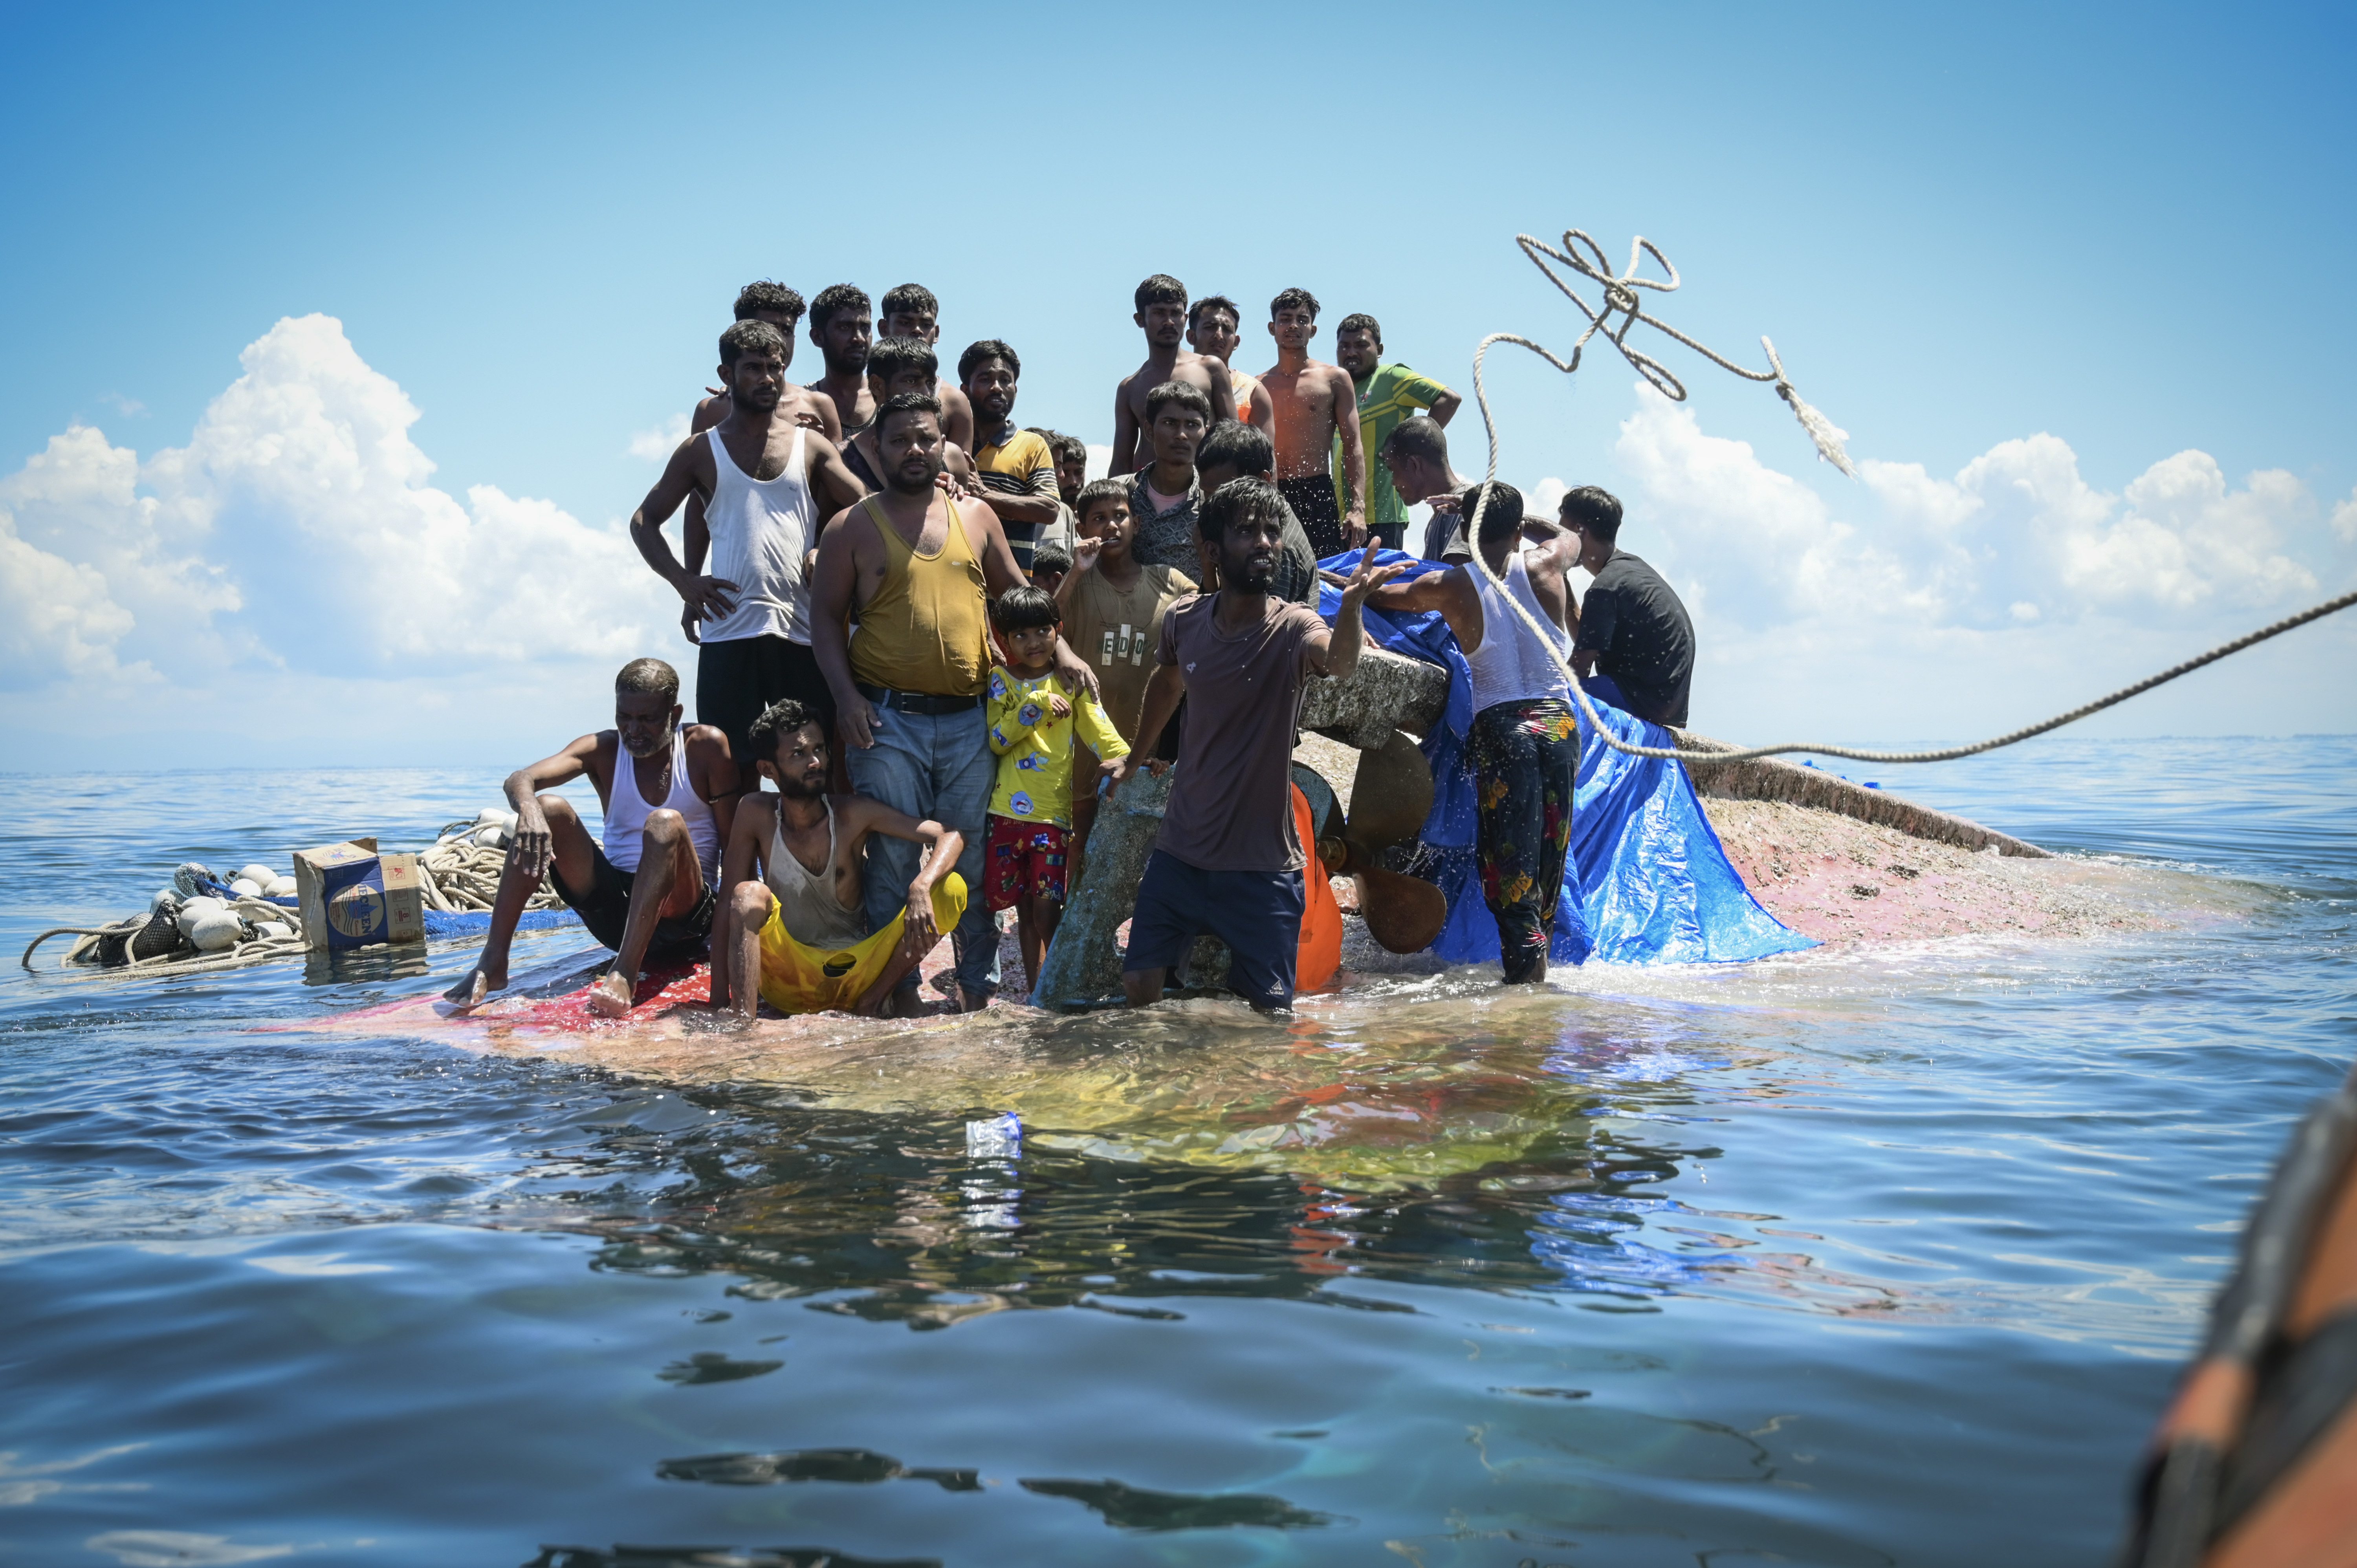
(351,896)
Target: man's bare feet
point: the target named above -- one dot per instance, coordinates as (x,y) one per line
(969,1002)
(473,988)
(611,996)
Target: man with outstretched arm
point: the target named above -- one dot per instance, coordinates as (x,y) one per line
(794,922)
(918,568)
(765,481)
(1524,743)
(1227,862)
(669,794)
(1317,407)
(1162,314)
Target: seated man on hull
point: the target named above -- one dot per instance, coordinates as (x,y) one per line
(1524,744)
(1636,646)
(668,791)
(1227,860)
(795,925)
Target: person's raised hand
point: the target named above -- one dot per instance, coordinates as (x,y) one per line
(1368,578)
(1085,553)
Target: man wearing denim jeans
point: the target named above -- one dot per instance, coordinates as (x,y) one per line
(920,568)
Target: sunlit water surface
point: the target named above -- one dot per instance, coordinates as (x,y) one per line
(1860,1257)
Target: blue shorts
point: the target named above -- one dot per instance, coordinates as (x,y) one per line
(1256,913)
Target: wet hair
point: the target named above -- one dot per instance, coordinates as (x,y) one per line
(1300,298)
(898,356)
(910,299)
(1097,490)
(650,675)
(907,402)
(1359,322)
(1247,500)
(1050,557)
(1161,289)
(779,720)
(1596,511)
(1023,606)
(1503,511)
(833,300)
(1214,301)
(766,295)
(1189,398)
(976,355)
(751,335)
(1418,435)
(1233,443)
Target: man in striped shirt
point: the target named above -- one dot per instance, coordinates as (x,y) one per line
(1019,470)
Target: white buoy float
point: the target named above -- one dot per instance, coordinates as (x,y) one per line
(259,875)
(195,909)
(216,929)
(246,887)
(279,888)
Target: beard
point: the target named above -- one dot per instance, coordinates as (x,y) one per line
(1252,574)
(646,745)
(803,786)
(898,478)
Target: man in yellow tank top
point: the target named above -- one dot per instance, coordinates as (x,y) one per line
(918,569)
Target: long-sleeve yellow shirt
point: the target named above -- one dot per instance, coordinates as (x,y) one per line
(1035,748)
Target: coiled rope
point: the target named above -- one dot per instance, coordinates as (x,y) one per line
(1620,296)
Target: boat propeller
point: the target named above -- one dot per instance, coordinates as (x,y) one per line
(1391,795)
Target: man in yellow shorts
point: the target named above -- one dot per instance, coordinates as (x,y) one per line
(793,922)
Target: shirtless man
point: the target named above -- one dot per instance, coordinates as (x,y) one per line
(1162,314)
(751,619)
(648,885)
(781,308)
(1315,404)
(1214,327)
(912,311)
(843,327)
(794,912)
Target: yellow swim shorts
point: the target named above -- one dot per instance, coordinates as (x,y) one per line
(798,978)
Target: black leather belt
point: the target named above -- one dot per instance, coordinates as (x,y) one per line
(918,702)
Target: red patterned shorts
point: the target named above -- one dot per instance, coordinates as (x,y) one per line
(1025,860)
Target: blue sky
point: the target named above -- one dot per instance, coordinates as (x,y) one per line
(2035,262)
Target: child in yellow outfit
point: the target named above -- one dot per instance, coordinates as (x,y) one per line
(1033,722)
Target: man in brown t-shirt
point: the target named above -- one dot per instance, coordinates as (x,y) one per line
(1226,863)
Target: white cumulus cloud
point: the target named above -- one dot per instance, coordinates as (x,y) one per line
(657,445)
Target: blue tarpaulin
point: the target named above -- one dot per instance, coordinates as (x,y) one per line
(1647,881)
(475,922)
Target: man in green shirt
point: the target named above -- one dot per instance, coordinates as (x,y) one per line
(1387,394)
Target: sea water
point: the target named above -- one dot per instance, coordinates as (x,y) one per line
(1865,1256)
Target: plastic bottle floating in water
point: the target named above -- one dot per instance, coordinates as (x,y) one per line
(999,1138)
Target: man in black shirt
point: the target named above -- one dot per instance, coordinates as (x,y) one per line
(1636,647)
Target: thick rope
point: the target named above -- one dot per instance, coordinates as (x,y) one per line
(1620,296)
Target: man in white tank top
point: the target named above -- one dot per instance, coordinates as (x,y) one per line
(1525,745)
(669,794)
(765,482)
(797,931)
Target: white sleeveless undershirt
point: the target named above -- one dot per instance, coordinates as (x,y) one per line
(1512,665)
(811,914)
(626,813)
(761,530)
